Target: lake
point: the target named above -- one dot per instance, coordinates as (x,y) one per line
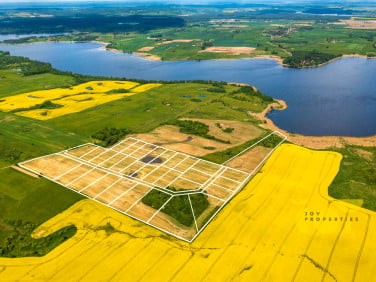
(335,99)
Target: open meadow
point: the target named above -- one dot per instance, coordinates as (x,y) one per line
(306,236)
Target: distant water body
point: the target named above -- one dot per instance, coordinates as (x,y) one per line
(335,99)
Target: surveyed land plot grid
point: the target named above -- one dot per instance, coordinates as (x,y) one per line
(147,182)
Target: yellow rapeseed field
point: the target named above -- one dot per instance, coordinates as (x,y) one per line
(74,99)
(266,233)
(145,87)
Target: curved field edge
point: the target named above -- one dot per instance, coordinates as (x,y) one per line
(264,233)
(25,203)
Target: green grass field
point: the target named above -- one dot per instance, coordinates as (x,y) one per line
(13,82)
(144,112)
(22,138)
(25,203)
(357,176)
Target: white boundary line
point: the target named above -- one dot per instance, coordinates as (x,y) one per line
(108,187)
(244,182)
(138,182)
(137,201)
(105,204)
(148,163)
(87,153)
(189,155)
(161,208)
(82,175)
(137,160)
(207,194)
(69,170)
(118,153)
(182,173)
(127,156)
(121,143)
(248,148)
(157,168)
(193,213)
(169,171)
(92,183)
(122,194)
(118,174)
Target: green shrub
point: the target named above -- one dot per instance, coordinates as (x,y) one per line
(110,136)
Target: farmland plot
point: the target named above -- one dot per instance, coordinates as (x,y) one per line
(171,191)
(281,227)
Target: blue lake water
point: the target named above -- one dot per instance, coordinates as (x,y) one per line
(335,99)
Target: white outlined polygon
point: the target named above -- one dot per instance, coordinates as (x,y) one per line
(139,178)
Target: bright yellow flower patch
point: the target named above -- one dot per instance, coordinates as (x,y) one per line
(74,99)
(73,104)
(145,87)
(266,233)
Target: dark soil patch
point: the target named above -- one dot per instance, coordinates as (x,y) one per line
(151,160)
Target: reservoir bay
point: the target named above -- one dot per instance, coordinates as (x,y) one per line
(338,98)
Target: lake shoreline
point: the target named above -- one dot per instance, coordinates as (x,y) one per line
(151,57)
(278,59)
(264,74)
(312,142)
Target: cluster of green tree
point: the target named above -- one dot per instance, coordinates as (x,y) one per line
(178,207)
(86,37)
(35,67)
(155,199)
(219,89)
(300,59)
(48,105)
(222,156)
(89,23)
(156,35)
(26,66)
(280,31)
(270,142)
(77,37)
(31,67)
(227,129)
(250,92)
(20,40)
(19,242)
(196,128)
(109,136)
(206,44)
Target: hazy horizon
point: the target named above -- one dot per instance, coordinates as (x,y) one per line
(186,1)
